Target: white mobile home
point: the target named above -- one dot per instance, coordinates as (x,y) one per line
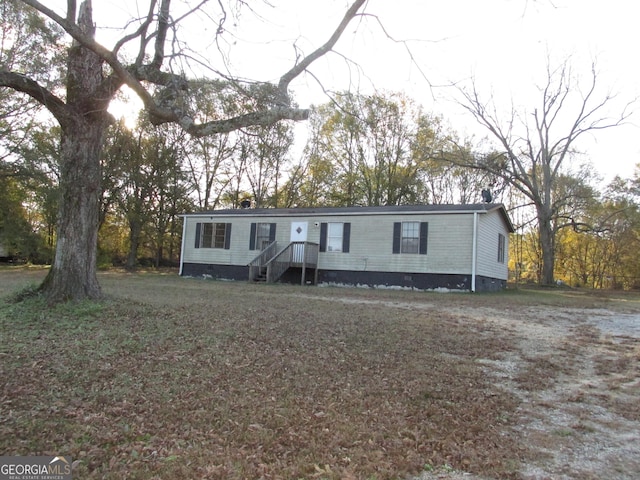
(457,247)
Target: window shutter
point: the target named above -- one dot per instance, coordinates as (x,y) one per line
(397,233)
(272,233)
(424,233)
(227,236)
(198,232)
(346,237)
(252,237)
(323,237)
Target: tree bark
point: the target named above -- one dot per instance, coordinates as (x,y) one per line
(547,247)
(73,273)
(135,229)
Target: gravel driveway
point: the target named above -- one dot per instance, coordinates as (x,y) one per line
(583,420)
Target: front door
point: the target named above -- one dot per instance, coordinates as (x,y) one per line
(299,232)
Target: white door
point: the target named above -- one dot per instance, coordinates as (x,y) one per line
(299,232)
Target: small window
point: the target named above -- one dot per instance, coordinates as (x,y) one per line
(410,241)
(263,231)
(206,239)
(219,234)
(501,248)
(261,235)
(213,235)
(410,237)
(334,237)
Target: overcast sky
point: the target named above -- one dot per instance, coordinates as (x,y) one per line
(502,44)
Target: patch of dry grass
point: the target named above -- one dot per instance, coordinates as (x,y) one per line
(180,378)
(176,378)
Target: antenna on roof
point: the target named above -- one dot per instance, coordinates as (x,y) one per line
(486,195)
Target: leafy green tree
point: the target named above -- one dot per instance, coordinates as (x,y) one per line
(32,166)
(310,182)
(209,159)
(17,238)
(146,184)
(266,150)
(619,219)
(30,46)
(361,146)
(382,150)
(437,151)
(600,248)
(168,193)
(41,164)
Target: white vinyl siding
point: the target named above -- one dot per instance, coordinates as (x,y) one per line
(491,228)
(239,252)
(372,238)
(370,241)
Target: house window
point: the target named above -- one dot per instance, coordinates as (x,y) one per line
(410,240)
(410,237)
(501,248)
(262,234)
(213,235)
(335,237)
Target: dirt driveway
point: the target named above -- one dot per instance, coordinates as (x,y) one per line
(585,420)
(577,373)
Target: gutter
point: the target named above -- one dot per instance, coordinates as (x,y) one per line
(184,232)
(474,251)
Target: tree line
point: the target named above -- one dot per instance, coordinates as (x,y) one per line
(380,149)
(88,190)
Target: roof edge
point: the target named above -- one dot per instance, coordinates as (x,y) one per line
(432,209)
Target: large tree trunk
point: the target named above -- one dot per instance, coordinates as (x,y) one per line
(135,229)
(73,273)
(547,246)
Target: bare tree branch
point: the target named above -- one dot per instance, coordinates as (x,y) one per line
(140,32)
(163,25)
(285,80)
(24,84)
(133,76)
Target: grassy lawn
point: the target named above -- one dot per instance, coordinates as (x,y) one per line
(180,378)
